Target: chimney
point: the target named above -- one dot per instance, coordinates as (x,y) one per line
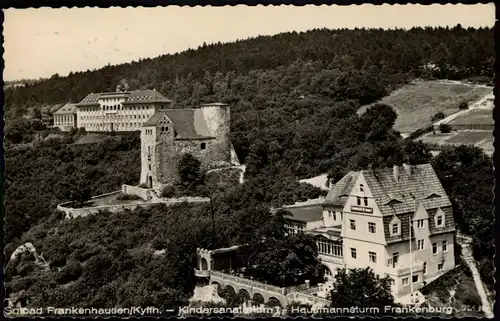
(395,173)
(407,168)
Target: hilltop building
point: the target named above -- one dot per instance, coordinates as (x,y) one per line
(169,133)
(367,219)
(119,110)
(65,117)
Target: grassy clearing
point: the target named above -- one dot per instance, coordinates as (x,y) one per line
(478,116)
(469,137)
(416,103)
(480,138)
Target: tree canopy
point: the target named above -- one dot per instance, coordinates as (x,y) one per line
(361,288)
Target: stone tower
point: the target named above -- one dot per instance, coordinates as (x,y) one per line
(170,133)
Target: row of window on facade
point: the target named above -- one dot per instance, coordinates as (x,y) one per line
(102,125)
(99,117)
(294,229)
(329,247)
(117,107)
(63,118)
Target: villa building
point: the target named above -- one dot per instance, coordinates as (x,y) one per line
(65,117)
(120,110)
(397,221)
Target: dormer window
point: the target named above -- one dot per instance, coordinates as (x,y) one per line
(439,220)
(359,200)
(395,229)
(361,188)
(366,201)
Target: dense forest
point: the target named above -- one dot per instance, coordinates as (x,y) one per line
(294,99)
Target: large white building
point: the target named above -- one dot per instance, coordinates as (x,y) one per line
(366,220)
(120,110)
(65,117)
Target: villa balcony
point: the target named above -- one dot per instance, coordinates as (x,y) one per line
(337,260)
(399,269)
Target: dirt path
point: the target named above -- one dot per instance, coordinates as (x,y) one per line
(467,256)
(478,104)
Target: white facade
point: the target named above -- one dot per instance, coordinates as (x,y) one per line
(371,240)
(65,122)
(118,111)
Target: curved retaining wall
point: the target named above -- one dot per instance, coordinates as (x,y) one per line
(77,212)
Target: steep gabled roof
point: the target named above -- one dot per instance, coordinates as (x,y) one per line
(145,96)
(407,190)
(307,213)
(132,97)
(339,193)
(89,100)
(66,109)
(188,123)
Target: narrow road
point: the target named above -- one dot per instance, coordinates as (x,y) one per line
(478,104)
(467,256)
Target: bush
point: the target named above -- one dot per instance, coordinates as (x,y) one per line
(168,191)
(444,128)
(70,272)
(159,243)
(438,116)
(463,105)
(472,299)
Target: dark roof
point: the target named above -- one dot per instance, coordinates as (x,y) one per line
(188,123)
(145,96)
(214,104)
(399,197)
(89,100)
(332,233)
(449,225)
(133,97)
(68,108)
(339,193)
(305,213)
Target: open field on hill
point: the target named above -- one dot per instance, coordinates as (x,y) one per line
(480,138)
(415,103)
(476,117)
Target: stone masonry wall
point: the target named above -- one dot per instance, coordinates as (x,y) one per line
(143,193)
(218,119)
(167,151)
(82,212)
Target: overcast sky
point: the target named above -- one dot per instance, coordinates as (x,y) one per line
(45,41)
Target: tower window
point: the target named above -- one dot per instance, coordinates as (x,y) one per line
(203,146)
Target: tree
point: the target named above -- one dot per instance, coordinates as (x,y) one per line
(189,170)
(416,152)
(76,188)
(377,122)
(37,113)
(285,262)
(361,288)
(444,128)
(466,175)
(463,105)
(437,116)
